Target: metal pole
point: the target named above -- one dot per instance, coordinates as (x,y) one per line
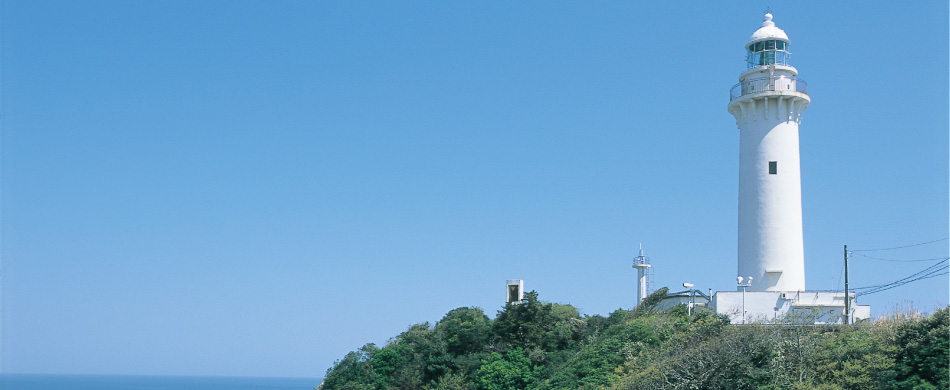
(743,304)
(847,295)
(689,307)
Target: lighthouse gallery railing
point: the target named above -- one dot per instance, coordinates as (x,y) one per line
(763,84)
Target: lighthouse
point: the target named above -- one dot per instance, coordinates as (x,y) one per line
(767,104)
(642,264)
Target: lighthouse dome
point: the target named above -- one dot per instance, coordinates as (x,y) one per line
(768,31)
(769,45)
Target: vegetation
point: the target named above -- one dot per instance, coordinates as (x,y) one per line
(548,346)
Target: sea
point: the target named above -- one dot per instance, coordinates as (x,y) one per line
(136,382)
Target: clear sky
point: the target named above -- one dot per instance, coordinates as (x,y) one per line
(258,187)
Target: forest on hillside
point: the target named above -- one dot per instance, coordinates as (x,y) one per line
(542,345)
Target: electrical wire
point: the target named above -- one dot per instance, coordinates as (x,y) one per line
(899,247)
(900,261)
(938,269)
(840,274)
(888,288)
(931,268)
(937,266)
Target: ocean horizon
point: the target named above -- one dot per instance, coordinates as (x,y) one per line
(151,382)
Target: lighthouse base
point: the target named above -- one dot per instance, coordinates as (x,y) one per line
(797,307)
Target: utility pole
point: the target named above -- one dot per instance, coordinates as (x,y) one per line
(847,295)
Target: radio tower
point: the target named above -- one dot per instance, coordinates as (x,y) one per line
(644,275)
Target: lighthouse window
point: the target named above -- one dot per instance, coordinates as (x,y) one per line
(773,167)
(780,57)
(769,52)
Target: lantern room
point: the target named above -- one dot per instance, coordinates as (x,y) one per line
(768,45)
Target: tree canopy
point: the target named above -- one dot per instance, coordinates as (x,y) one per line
(534,344)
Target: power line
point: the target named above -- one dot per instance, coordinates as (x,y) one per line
(935,267)
(840,273)
(931,268)
(900,247)
(890,287)
(938,269)
(901,260)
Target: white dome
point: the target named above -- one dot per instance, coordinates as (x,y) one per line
(768,31)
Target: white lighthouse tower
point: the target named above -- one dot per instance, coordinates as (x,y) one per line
(768,103)
(642,264)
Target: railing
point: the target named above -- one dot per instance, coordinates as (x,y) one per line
(762,84)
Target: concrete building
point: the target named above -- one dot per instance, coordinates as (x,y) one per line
(810,307)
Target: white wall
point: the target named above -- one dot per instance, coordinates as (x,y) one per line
(817,307)
(770,243)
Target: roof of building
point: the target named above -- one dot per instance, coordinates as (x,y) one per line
(768,31)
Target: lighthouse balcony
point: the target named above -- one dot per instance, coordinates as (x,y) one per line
(766,84)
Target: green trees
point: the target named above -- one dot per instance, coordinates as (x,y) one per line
(548,346)
(851,358)
(596,363)
(512,371)
(465,330)
(923,353)
(524,324)
(353,372)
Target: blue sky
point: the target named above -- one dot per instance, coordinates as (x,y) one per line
(256,188)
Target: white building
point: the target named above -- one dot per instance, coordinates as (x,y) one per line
(768,103)
(817,307)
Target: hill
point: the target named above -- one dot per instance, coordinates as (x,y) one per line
(542,345)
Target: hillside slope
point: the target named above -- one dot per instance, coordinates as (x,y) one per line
(541,345)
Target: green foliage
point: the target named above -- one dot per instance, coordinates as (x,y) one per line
(540,345)
(465,330)
(595,365)
(352,372)
(427,360)
(852,358)
(524,324)
(387,360)
(649,303)
(564,329)
(924,352)
(547,332)
(450,381)
(513,371)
